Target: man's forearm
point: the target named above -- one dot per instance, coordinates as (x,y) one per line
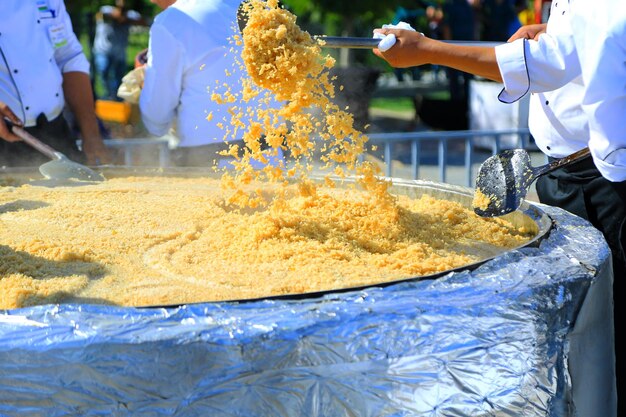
(414,49)
(475,60)
(79,97)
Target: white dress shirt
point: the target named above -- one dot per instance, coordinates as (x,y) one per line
(188,56)
(37,45)
(562,57)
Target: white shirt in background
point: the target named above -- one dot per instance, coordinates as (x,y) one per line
(188,56)
(37,45)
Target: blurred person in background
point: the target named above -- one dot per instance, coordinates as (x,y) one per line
(189,54)
(525,12)
(113,23)
(459,24)
(43,68)
(499,20)
(434,14)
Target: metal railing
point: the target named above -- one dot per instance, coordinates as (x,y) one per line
(416,139)
(129,146)
(386,141)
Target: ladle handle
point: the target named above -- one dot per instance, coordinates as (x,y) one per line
(35,143)
(371,43)
(347,42)
(575,157)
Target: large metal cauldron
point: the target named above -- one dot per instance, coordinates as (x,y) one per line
(528,332)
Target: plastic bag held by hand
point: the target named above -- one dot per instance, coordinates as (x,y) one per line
(387,41)
(131,86)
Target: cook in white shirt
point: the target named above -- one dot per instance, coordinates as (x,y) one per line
(539,67)
(594,189)
(189,55)
(42,66)
(570,54)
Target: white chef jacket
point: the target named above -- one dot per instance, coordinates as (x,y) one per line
(37,45)
(600,36)
(560,58)
(556,118)
(188,56)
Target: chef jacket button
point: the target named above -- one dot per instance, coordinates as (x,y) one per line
(27,107)
(15,71)
(547,102)
(57,94)
(547,147)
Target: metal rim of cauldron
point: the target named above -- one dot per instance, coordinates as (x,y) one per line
(542,221)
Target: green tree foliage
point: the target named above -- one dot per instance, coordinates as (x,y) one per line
(78,7)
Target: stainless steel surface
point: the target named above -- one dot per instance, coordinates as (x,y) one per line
(505,178)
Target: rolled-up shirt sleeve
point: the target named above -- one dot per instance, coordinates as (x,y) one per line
(163,81)
(514,69)
(70,56)
(536,66)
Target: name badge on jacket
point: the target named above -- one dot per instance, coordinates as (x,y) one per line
(57,36)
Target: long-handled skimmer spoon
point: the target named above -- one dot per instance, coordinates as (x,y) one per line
(60,167)
(503,180)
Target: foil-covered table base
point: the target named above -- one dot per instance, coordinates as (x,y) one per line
(529,333)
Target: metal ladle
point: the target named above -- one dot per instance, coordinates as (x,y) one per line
(504,179)
(60,167)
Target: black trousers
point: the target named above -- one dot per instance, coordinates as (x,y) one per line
(55,133)
(581,190)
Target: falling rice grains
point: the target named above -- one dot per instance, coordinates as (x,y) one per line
(286,100)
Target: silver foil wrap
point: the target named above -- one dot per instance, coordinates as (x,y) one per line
(529,333)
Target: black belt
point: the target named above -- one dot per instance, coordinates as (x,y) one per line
(42,120)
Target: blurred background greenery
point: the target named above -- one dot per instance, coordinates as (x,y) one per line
(329,17)
(336,18)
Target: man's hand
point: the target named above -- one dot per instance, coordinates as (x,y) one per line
(410,50)
(5,132)
(96,152)
(413,49)
(132,83)
(529,32)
